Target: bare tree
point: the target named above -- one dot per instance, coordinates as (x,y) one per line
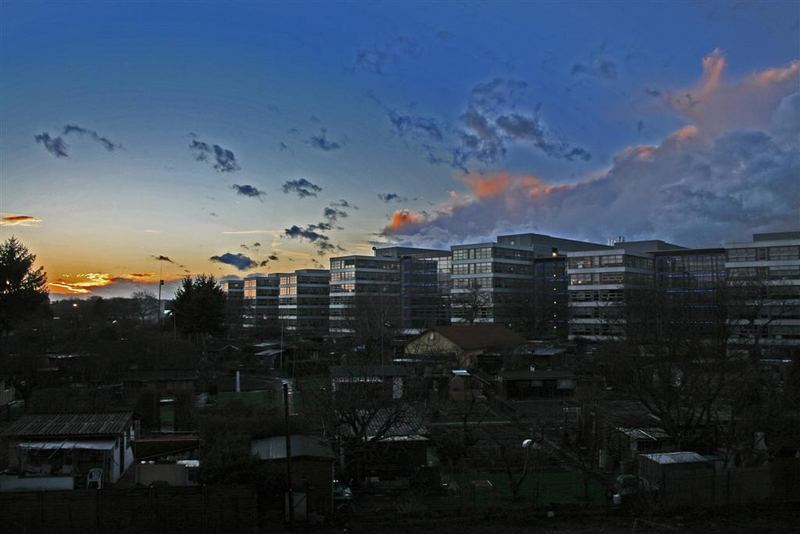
(145,306)
(471,303)
(364,411)
(373,320)
(675,359)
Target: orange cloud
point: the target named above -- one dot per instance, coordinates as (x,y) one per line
(775,75)
(488,186)
(685,133)
(404,218)
(83,286)
(640,152)
(716,105)
(19,220)
(713,66)
(538,188)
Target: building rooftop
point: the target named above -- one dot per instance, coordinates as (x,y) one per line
(547,242)
(70,424)
(274,448)
(776,236)
(649,245)
(649,433)
(399,252)
(481,336)
(674,457)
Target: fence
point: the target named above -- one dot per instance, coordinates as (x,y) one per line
(173,510)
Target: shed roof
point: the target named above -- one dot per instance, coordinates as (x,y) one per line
(481,336)
(274,448)
(675,457)
(70,424)
(649,433)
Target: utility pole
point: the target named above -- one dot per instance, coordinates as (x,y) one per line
(290,492)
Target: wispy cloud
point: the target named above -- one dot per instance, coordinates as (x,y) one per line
(160,257)
(302,187)
(342,203)
(222,159)
(313,235)
(322,142)
(19,220)
(487,129)
(391,197)
(55,145)
(238,260)
(334,214)
(377,59)
(74,129)
(599,65)
(253,232)
(248,191)
(59,148)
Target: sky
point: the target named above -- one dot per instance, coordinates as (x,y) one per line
(141,141)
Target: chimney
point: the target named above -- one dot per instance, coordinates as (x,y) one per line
(238,382)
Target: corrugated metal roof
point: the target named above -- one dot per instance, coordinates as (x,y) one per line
(649,433)
(274,448)
(674,457)
(70,424)
(69,444)
(390,423)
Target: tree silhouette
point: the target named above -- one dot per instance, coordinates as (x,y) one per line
(199,307)
(22,288)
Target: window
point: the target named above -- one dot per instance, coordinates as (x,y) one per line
(742,254)
(784,253)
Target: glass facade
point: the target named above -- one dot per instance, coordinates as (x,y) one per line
(303,301)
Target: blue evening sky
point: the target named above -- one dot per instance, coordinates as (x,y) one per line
(357,98)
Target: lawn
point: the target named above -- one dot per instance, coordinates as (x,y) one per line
(539,487)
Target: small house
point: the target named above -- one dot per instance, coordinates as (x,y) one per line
(312,470)
(530,384)
(68,450)
(470,344)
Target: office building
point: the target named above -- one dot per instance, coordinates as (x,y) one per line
(763,276)
(599,281)
(260,308)
(303,301)
(397,288)
(497,282)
